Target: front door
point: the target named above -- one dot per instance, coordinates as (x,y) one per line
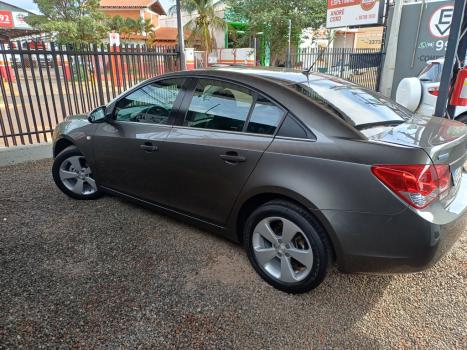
(130,151)
(225,131)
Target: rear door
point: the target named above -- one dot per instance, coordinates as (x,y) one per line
(130,151)
(224,132)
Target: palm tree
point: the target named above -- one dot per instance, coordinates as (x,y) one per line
(201,27)
(130,25)
(147,27)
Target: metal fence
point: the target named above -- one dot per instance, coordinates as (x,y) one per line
(42,83)
(360,66)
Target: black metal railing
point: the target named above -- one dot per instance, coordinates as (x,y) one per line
(360,66)
(42,83)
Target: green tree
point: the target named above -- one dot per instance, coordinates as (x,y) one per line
(271,19)
(129,25)
(70,21)
(204,22)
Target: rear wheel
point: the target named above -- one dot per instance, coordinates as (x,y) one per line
(73,175)
(462,118)
(287,247)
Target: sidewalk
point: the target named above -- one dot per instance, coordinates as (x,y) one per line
(20,154)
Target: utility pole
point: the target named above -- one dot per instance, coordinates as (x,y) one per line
(455,52)
(181,38)
(389,65)
(288,49)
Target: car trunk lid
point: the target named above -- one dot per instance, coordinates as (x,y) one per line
(444,140)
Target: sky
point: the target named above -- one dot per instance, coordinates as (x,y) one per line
(30,5)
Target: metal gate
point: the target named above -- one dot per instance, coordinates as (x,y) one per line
(41,83)
(360,66)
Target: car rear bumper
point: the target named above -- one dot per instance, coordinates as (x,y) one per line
(408,241)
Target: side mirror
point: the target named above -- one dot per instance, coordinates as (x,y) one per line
(99,115)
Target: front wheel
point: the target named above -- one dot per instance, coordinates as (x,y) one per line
(287,247)
(73,175)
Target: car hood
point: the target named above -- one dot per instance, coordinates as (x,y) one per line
(77,117)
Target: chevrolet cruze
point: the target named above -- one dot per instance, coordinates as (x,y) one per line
(305,170)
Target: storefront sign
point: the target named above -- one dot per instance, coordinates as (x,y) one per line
(353,13)
(440,21)
(18,20)
(6,19)
(114,39)
(423,36)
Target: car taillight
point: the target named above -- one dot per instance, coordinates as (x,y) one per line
(433,91)
(418,184)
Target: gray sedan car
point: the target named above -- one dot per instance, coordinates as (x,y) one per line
(304,170)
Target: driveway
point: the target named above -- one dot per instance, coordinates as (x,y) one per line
(110,274)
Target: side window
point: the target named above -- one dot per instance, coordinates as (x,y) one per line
(265,117)
(219,106)
(151,103)
(430,73)
(291,128)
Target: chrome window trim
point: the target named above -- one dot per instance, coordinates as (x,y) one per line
(270,136)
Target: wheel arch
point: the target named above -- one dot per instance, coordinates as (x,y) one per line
(61,144)
(462,116)
(254,200)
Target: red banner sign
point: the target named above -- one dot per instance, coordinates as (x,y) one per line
(332,4)
(6,19)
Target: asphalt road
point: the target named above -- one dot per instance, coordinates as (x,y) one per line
(109,274)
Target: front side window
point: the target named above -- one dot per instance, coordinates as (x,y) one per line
(151,103)
(219,106)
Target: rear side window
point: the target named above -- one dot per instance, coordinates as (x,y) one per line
(218,105)
(265,117)
(291,128)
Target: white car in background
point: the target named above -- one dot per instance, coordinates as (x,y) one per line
(419,94)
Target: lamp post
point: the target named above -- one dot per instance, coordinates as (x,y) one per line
(289,39)
(181,38)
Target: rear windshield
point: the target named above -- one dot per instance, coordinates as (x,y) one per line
(355,104)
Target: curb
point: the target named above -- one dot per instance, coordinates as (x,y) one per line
(20,154)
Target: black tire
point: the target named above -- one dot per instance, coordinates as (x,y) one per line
(462,118)
(68,152)
(319,242)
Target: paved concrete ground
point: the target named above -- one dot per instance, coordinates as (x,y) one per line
(21,154)
(109,274)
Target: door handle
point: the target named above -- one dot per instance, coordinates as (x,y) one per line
(232,158)
(149,147)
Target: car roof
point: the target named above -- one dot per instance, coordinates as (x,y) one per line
(278,75)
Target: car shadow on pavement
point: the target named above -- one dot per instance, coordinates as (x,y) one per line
(329,316)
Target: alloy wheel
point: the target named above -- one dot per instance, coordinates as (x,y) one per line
(282,250)
(76,176)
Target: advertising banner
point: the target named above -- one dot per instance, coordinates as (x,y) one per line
(354,13)
(432,22)
(18,20)
(6,19)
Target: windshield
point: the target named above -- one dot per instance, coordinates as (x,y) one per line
(355,104)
